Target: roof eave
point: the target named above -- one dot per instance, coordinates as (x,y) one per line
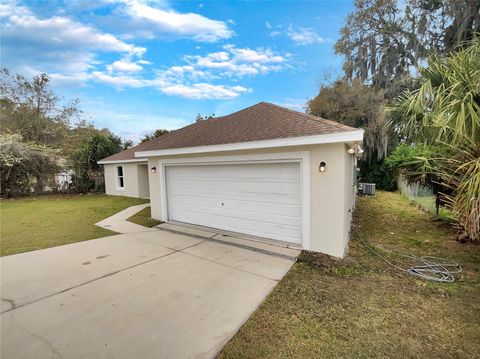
(344,136)
(108,162)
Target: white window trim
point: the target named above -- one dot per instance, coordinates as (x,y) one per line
(117,177)
(350,136)
(302,157)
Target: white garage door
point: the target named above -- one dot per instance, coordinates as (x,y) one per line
(257,199)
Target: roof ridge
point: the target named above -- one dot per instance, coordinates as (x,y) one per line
(307,115)
(312,117)
(288,109)
(233,113)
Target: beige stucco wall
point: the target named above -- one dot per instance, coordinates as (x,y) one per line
(135,177)
(143,185)
(331,193)
(327,200)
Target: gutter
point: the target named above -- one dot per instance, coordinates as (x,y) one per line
(336,137)
(102,162)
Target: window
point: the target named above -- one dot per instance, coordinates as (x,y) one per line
(120,182)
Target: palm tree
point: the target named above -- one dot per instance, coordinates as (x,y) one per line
(126,144)
(88,173)
(445,111)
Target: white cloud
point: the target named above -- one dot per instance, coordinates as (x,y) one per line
(168,21)
(61,32)
(184,80)
(124,66)
(181,81)
(240,62)
(10,8)
(169,85)
(119,81)
(59,45)
(69,50)
(204,91)
(303,35)
(259,55)
(299,35)
(182,73)
(193,79)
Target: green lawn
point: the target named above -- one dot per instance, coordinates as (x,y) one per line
(360,307)
(48,221)
(428,204)
(144,218)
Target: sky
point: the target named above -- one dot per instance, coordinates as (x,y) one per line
(138,65)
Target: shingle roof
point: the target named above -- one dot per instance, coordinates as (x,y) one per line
(126,155)
(263,121)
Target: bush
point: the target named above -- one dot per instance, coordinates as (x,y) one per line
(385,173)
(25,167)
(378,173)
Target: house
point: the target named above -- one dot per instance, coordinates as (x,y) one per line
(126,175)
(265,172)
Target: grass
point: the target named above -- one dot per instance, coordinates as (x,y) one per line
(144,218)
(48,221)
(360,307)
(427,203)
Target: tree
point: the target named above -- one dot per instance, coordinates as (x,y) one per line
(30,109)
(355,104)
(157,133)
(88,174)
(126,144)
(445,111)
(383,40)
(465,22)
(37,126)
(79,133)
(199,117)
(25,166)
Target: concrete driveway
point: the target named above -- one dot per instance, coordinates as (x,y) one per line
(150,294)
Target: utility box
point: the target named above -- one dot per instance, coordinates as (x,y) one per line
(367,189)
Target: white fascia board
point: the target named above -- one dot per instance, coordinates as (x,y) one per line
(351,136)
(122,161)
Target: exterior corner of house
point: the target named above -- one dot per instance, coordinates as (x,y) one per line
(154,181)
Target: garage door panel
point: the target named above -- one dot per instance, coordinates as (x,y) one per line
(261,217)
(219,196)
(193,199)
(186,214)
(290,188)
(196,209)
(257,199)
(263,229)
(235,189)
(290,210)
(252,205)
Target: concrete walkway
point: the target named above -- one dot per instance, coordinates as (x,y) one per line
(151,293)
(118,222)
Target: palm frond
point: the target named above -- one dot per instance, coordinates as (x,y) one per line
(445,111)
